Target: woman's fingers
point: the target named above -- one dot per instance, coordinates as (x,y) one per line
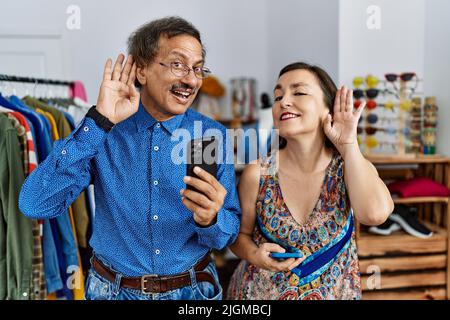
(296,263)
(349,101)
(284,265)
(360,110)
(337,101)
(273,247)
(118,67)
(343,99)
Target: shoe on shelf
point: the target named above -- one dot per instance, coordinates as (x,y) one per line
(386,228)
(407,218)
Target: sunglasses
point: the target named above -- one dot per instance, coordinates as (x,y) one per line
(406,76)
(369,93)
(370,81)
(373,130)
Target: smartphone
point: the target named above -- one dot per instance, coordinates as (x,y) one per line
(201,153)
(286,255)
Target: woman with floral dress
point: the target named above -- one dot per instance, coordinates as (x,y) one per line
(304,197)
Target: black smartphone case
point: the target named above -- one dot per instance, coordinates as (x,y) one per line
(196,151)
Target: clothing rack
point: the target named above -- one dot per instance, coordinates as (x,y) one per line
(4,77)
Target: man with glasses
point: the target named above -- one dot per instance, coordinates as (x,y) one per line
(152,236)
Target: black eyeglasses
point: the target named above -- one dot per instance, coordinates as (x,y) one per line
(181,70)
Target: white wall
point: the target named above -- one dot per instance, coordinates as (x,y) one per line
(232,31)
(437,66)
(302,30)
(258,37)
(398,46)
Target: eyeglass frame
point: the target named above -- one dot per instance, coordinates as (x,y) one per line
(186,69)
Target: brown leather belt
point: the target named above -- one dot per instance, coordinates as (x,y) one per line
(153,283)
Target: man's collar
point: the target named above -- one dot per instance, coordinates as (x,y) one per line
(144,120)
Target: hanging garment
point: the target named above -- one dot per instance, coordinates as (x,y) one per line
(41,127)
(16,236)
(38,290)
(62,127)
(78,290)
(78,91)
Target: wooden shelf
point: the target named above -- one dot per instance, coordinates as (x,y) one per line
(421,200)
(409,267)
(414,159)
(437,293)
(371,245)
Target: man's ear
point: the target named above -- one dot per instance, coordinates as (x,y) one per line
(140,76)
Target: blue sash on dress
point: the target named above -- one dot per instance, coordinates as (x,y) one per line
(318,262)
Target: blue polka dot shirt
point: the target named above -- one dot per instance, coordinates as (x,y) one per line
(141,225)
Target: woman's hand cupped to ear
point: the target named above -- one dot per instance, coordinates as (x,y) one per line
(341,129)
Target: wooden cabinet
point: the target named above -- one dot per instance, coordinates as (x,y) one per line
(400,266)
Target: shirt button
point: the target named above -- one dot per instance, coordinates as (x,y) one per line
(155,182)
(155,217)
(86,129)
(156,148)
(63,152)
(157,251)
(158,125)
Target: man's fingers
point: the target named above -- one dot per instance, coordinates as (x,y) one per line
(199,199)
(126,70)
(107,71)
(118,67)
(194,208)
(132,76)
(206,176)
(202,186)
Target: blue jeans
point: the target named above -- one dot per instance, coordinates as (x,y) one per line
(99,288)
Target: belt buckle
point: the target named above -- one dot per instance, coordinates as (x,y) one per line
(144,281)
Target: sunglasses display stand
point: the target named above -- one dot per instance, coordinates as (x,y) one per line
(392,121)
(429,126)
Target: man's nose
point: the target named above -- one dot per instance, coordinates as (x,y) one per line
(191,80)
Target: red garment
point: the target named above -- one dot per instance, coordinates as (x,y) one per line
(77,90)
(32,161)
(418,187)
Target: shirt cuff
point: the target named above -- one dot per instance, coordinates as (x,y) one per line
(212,235)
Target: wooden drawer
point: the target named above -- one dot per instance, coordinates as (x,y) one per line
(406,280)
(405,263)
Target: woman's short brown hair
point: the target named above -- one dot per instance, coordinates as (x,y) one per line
(327,85)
